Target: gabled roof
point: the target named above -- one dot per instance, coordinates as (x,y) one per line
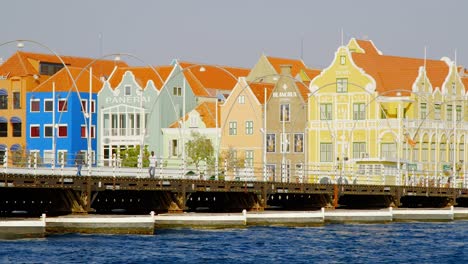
(311,73)
(142,75)
(63,83)
(258,89)
(465,83)
(393,73)
(207,111)
(20,63)
(368,47)
(276,62)
(303,90)
(206,80)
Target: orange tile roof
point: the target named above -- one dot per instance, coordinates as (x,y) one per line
(297,65)
(465,82)
(258,89)
(207,111)
(303,90)
(142,75)
(63,83)
(19,63)
(311,73)
(368,47)
(206,83)
(393,73)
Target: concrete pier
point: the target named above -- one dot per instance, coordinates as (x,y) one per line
(110,224)
(205,220)
(21,228)
(423,214)
(301,218)
(365,216)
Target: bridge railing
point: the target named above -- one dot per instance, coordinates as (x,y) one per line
(292,173)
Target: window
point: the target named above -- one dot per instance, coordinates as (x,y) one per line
(4,129)
(16,129)
(459,112)
(416,152)
(84,105)
(48,131)
(62,105)
(299,142)
(16,100)
(128,90)
(62,156)
(326,152)
(341,85)
(284,113)
(423,110)
(35,105)
(3,99)
(461,152)
(433,151)
(271,142)
(174,147)
(232,128)
(47,68)
(425,151)
(93,106)
(442,152)
(241,99)
(359,150)
(449,113)
(388,150)
(359,111)
(284,141)
(325,111)
(48,105)
(34,131)
(177,91)
(342,60)
(84,131)
(62,131)
(249,157)
(48,156)
(249,127)
(454,88)
(437,111)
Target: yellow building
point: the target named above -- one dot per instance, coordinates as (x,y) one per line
(382,119)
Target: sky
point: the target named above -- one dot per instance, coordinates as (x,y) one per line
(235,33)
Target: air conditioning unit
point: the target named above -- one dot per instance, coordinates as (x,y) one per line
(364,155)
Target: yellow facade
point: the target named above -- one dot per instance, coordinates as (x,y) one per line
(381,135)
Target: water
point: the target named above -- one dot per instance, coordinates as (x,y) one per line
(334,243)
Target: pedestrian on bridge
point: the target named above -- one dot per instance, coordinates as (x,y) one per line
(153,162)
(79,162)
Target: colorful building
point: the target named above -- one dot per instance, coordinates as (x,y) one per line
(21,73)
(57,103)
(385,119)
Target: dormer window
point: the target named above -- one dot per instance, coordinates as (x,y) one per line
(342,60)
(454,88)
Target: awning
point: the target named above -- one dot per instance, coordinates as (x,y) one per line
(3,120)
(15,120)
(2,147)
(15,147)
(3,92)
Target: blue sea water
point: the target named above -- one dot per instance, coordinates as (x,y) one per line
(416,242)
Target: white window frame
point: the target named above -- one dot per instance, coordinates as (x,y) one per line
(326,152)
(58,130)
(84,105)
(34,125)
(127,90)
(30,105)
(45,105)
(341,85)
(44,130)
(233,128)
(58,105)
(249,127)
(241,99)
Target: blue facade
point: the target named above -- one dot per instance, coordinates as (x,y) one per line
(73,119)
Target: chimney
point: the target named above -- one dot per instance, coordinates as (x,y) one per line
(286,69)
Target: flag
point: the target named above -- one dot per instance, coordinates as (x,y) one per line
(409,140)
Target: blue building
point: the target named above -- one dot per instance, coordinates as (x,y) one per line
(69,110)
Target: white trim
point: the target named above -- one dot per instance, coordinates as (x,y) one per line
(58,105)
(58,130)
(34,125)
(31,100)
(44,130)
(45,108)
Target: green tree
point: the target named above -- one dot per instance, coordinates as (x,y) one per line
(130,156)
(199,148)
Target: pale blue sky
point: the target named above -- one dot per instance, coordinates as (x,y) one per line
(237,32)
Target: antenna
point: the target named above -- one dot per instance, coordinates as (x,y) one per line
(342,38)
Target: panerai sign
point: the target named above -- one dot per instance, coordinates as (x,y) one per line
(128,99)
(284,94)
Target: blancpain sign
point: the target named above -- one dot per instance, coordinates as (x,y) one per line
(284,94)
(127,99)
